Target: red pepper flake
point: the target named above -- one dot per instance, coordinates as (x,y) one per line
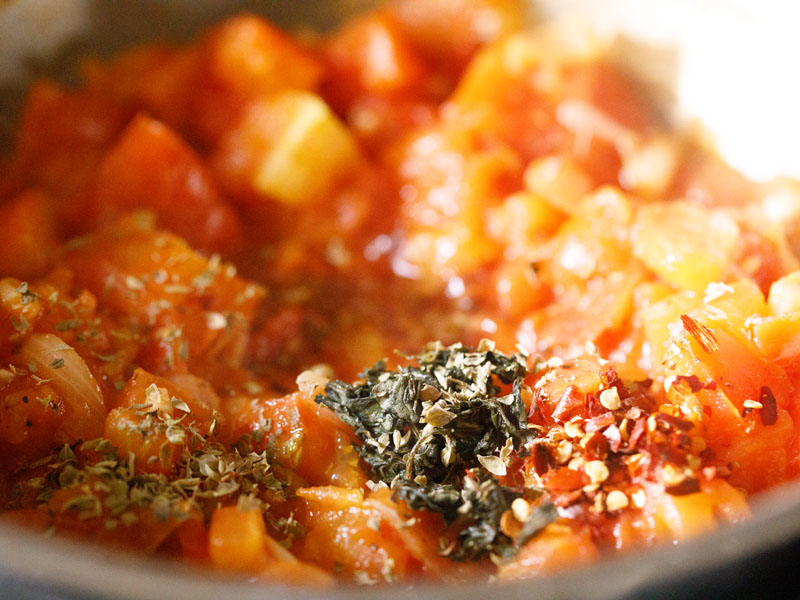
(541,459)
(614,437)
(769,408)
(637,432)
(674,422)
(690,485)
(566,498)
(710,385)
(693,381)
(572,402)
(596,447)
(597,423)
(564,479)
(702,334)
(611,378)
(593,405)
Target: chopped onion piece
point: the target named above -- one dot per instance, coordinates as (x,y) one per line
(84,412)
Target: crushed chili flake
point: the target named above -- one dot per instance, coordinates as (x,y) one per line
(571,403)
(685,487)
(599,422)
(674,422)
(702,334)
(769,407)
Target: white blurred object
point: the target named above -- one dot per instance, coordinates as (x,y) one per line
(726,64)
(733,68)
(34,29)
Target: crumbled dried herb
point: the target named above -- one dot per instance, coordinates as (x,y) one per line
(25,295)
(435,432)
(208,474)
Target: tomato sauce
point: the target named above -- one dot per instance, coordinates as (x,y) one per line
(199,238)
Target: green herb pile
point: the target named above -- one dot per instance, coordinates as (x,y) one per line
(437,432)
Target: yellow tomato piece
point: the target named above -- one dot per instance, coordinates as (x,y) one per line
(784,295)
(523,219)
(290,147)
(310,148)
(686,245)
(778,337)
(735,303)
(560,180)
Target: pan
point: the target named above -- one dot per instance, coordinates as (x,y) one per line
(707,64)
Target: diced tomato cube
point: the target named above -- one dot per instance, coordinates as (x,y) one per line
(244,59)
(32,237)
(291,148)
(151,167)
(373,53)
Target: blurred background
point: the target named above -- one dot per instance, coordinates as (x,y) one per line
(728,67)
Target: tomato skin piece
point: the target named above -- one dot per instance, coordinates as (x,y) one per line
(29,415)
(373,55)
(242,60)
(29,251)
(56,120)
(305,435)
(150,166)
(124,424)
(556,548)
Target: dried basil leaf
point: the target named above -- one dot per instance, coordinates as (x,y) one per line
(450,423)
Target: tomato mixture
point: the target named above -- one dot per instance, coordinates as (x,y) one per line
(204,243)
